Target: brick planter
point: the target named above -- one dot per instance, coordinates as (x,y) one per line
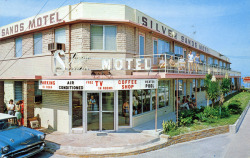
(198,134)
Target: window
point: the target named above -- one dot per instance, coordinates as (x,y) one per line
(223,64)
(18,43)
(216,62)
(37,90)
(60,36)
(194,53)
(220,63)
(163,47)
(163,93)
(202,83)
(202,57)
(141,46)
(155,51)
(211,61)
(18,88)
(38,43)
(103,37)
(180,87)
(143,101)
(178,50)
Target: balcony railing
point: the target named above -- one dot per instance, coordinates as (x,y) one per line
(176,64)
(162,63)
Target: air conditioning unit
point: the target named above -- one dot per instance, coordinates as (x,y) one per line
(38,99)
(34,124)
(56,46)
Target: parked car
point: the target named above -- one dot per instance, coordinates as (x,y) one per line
(18,141)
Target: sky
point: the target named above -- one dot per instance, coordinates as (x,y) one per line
(222,25)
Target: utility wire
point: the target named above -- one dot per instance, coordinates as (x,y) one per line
(38,40)
(24,31)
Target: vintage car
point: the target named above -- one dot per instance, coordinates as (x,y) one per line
(18,141)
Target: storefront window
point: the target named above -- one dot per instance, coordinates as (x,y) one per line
(163,93)
(77,109)
(123,108)
(137,102)
(146,101)
(180,87)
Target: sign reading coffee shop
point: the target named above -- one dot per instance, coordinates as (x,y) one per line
(117,84)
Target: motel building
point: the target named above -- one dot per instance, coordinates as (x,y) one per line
(101,67)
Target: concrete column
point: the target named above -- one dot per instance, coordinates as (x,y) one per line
(28,97)
(2,96)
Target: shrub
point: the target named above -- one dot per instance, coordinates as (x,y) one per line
(235,107)
(168,126)
(186,121)
(208,115)
(225,112)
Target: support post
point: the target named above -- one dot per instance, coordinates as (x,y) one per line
(28,95)
(177,89)
(2,97)
(156,109)
(196,92)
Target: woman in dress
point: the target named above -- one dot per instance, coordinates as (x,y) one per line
(18,112)
(196,62)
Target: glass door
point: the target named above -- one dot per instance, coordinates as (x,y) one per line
(107,111)
(100,111)
(93,112)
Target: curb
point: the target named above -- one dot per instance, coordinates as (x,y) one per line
(236,126)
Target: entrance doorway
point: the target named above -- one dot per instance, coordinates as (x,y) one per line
(100,111)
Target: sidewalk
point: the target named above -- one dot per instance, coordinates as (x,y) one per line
(240,144)
(121,141)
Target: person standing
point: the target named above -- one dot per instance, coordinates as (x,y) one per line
(18,112)
(11,107)
(196,62)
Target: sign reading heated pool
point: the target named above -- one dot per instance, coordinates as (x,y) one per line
(122,84)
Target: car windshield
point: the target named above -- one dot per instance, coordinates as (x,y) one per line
(7,124)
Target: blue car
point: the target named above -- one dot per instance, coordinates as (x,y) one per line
(18,141)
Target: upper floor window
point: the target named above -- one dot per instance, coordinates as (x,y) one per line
(103,37)
(18,44)
(220,63)
(178,50)
(194,53)
(202,57)
(38,43)
(211,62)
(163,46)
(141,46)
(223,64)
(216,62)
(60,36)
